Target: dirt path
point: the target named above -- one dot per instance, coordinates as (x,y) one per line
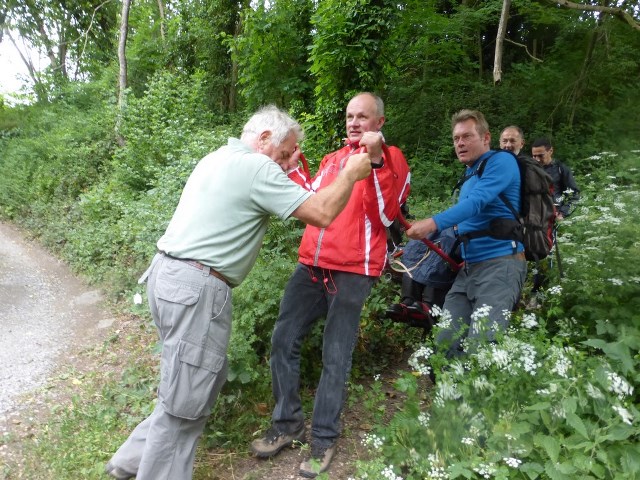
(47,315)
(50,319)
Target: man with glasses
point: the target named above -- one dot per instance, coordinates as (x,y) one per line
(565,193)
(565,189)
(488,287)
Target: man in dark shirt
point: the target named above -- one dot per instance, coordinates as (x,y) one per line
(565,189)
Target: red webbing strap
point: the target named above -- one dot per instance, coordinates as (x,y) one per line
(305,166)
(403,221)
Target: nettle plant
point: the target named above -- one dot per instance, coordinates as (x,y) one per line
(556,396)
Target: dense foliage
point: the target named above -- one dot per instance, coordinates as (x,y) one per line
(197,69)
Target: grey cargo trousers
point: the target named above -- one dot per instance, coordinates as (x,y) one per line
(192,311)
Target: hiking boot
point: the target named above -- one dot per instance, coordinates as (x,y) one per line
(420,315)
(117,473)
(274,441)
(397,312)
(318,462)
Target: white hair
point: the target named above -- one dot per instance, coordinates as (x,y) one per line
(274,120)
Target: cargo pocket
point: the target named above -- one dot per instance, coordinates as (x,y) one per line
(176,292)
(195,381)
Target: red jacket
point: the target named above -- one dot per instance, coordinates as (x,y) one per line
(356,241)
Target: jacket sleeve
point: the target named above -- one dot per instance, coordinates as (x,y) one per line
(299,176)
(383,191)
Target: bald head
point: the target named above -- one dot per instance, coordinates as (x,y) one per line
(512,139)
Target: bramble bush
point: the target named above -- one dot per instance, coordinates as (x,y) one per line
(556,396)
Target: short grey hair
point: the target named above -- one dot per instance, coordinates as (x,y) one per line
(378,101)
(274,120)
(514,127)
(482,126)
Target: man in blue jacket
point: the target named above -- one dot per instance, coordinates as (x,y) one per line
(487,289)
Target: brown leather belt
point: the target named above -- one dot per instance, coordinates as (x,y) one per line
(199,266)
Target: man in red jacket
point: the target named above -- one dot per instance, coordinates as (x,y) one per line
(337,268)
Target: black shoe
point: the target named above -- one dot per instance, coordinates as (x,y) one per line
(397,312)
(420,315)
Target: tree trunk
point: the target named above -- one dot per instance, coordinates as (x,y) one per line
(161,10)
(122,59)
(502,31)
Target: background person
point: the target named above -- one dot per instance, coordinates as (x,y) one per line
(490,283)
(512,139)
(565,194)
(337,268)
(206,251)
(565,188)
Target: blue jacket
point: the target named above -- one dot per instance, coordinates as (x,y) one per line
(479,203)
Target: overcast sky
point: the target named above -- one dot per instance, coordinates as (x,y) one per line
(13,73)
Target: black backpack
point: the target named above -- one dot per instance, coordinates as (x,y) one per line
(535,220)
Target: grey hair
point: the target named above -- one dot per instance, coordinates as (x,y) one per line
(274,120)
(378,101)
(516,128)
(482,126)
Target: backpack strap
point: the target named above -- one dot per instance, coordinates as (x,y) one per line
(477,172)
(488,232)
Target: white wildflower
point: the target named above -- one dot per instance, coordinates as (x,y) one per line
(616,281)
(423,419)
(485,470)
(619,385)
(389,474)
(443,315)
(445,390)
(374,441)
(468,441)
(480,383)
(556,290)
(481,312)
(624,414)
(437,473)
(594,392)
(137,299)
(421,367)
(562,363)
(457,368)
(529,320)
(512,462)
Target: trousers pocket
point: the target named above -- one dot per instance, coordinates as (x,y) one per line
(195,381)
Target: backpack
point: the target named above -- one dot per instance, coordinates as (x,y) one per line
(535,221)
(428,268)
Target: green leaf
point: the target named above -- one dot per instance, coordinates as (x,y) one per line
(532,469)
(577,423)
(458,470)
(550,445)
(554,473)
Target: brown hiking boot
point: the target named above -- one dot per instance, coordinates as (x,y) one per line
(274,441)
(318,462)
